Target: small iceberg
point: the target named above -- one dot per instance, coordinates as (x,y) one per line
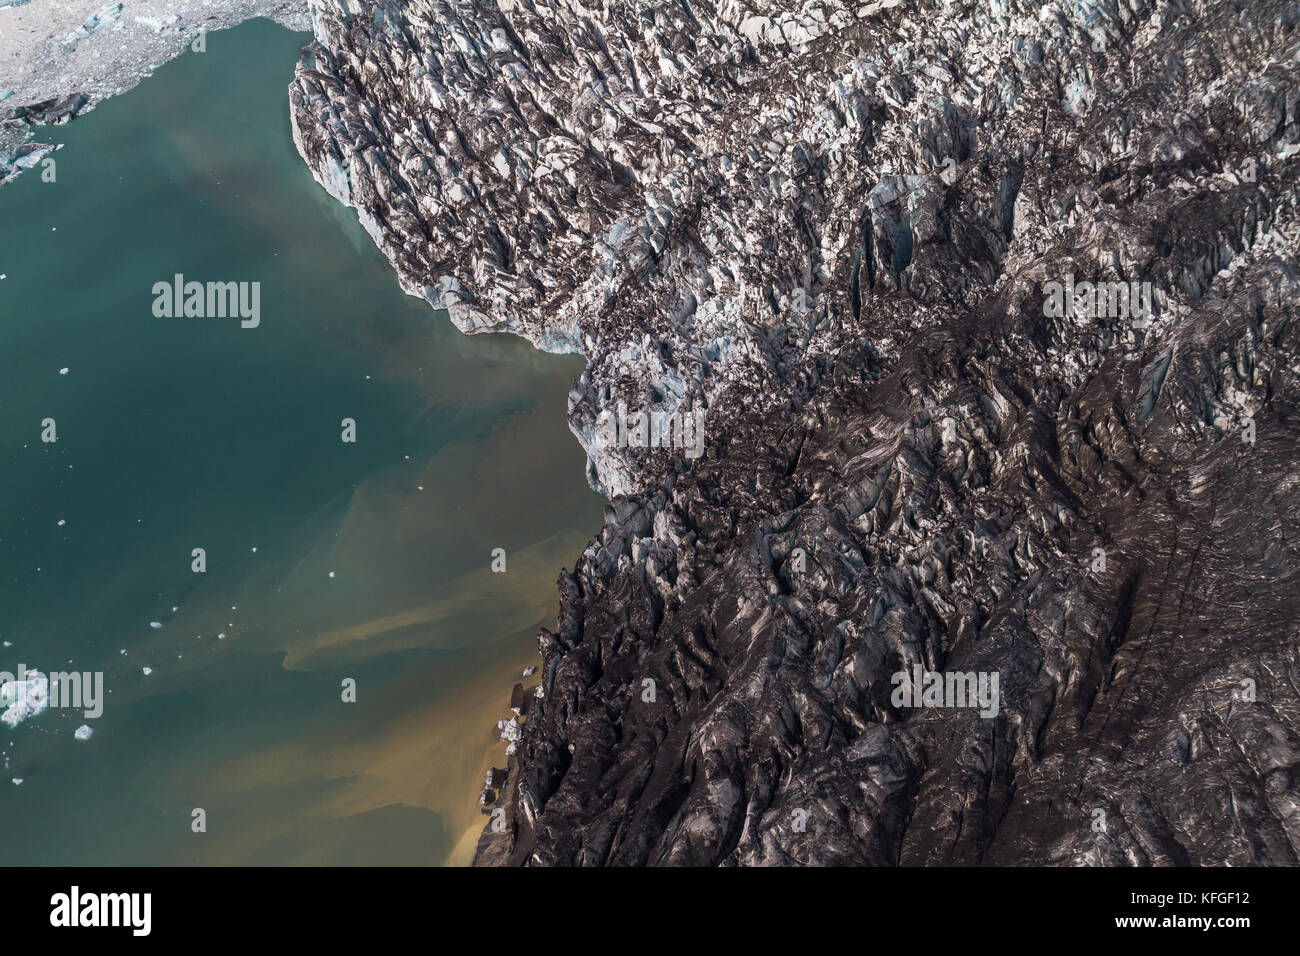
(83,732)
(146,671)
(22,699)
(156,625)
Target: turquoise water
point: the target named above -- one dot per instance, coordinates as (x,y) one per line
(181,433)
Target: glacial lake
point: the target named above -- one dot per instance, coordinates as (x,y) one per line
(325,560)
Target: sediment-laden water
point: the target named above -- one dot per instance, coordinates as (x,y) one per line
(325,560)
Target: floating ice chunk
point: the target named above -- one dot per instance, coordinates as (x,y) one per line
(18,781)
(155,624)
(83,732)
(24,698)
(62,522)
(146,671)
(510,730)
(331,574)
(63,371)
